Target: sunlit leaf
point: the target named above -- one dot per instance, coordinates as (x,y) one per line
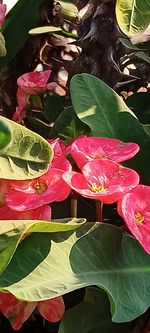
(27,155)
(49,265)
(11,233)
(133,16)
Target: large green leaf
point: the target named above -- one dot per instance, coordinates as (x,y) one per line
(11,233)
(27,155)
(23,17)
(5,134)
(133,16)
(48,265)
(92,316)
(95,103)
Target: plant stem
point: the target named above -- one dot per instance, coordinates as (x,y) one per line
(74,203)
(99,210)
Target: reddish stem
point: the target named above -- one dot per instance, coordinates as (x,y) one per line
(99,211)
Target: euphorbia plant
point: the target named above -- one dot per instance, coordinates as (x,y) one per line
(95,153)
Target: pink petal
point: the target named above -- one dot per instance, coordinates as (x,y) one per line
(43,190)
(52,309)
(19,114)
(79,183)
(58,146)
(15,311)
(85,149)
(133,203)
(34,82)
(102,179)
(3,9)
(40,213)
(60,162)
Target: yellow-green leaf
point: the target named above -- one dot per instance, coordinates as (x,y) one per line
(26,156)
(133,16)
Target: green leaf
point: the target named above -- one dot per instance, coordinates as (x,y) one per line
(96,104)
(5,134)
(129,129)
(133,16)
(38,125)
(68,126)
(48,265)
(68,9)
(27,155)
(50,29)
(139,53)
(11,233)
(91,316)
(140,105)
(54,105)
(23,17)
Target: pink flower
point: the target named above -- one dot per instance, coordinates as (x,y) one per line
(102,180)
(34,82)
(85,149)
(28,195)
(40,213)
(3,9)
(59,147)
(134,207)
(30,83)
(18,312)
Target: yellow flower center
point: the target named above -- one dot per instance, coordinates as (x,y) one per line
(139,219)
(98,188)
(39,187)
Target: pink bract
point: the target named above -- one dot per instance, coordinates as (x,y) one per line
(52,309)
(28,195)
(85,149)
(19,113)
(59,147)
(40,213)
(18,312)
(60,162)
(134,207)
(34,82)
(102,180)
(3,9)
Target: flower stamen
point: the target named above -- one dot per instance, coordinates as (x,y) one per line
(139,219)
(98,188)
(39,187)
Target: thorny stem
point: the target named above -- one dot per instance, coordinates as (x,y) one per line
(89,9)
(74,203)
(99,211)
